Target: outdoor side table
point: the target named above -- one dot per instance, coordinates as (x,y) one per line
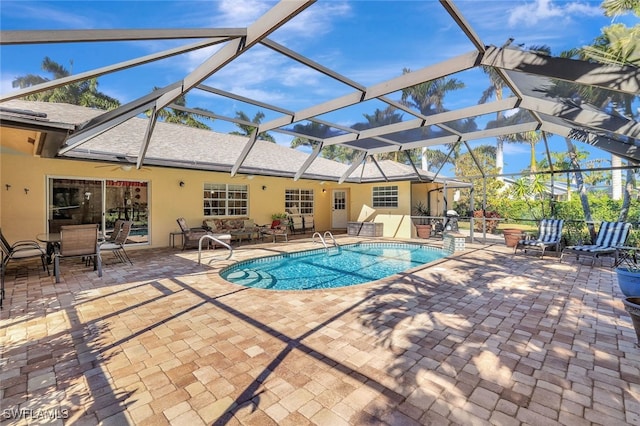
(625,254)
(172,237)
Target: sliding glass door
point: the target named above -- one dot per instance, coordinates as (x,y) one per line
(128,200)
(79,201)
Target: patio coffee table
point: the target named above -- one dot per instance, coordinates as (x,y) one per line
(239,235)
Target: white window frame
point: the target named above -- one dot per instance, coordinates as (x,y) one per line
(302,199)
(230,200)
(384,196)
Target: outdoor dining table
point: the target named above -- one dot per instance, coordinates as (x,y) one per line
(52,239)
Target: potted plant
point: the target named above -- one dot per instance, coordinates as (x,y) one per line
(628,273)
(512,236)
(423,226)
(632,306)
(278,216)
(278,219)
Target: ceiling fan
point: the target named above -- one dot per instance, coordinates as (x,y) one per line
(123,167)
(123,164)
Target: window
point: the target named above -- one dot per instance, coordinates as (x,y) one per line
(78,201)
(385,196)
(298,199)
(221,199)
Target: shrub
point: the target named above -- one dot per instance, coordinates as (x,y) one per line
(491,225)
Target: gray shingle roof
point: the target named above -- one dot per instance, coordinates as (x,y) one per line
(175,145)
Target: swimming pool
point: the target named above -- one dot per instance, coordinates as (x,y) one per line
(330,268)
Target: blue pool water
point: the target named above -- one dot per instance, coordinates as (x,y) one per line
(330,268)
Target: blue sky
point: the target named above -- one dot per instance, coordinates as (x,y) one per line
(367,41)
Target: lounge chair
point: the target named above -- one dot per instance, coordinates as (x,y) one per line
(116,244)
(20,250)
(309,224)
(549,235)
(78,241)
(297,223)
(610,236)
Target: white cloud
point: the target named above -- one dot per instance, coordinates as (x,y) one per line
(52,16)
(6,83)
(516,148)
(239,13)
(261,73)
(532,14)
(316,19)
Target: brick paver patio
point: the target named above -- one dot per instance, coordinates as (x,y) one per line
(479,338)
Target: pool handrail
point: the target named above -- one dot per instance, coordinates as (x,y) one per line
(323,239)
(335,243)
(217,241)
(313,239)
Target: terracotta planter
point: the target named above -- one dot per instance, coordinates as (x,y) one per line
(424,231)
(629,282)
(632,305)
(512,236)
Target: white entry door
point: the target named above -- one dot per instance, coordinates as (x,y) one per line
(339,209)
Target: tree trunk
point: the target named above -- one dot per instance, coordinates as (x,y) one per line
(500,158)
(424,160)
(626,201)
(573,157)
(616,178)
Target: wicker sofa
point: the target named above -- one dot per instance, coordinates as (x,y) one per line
(224,225)
(237,227)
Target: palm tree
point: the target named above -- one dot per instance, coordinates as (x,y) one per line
(617,44)
(178,116)
(428,98)
(315,129)
(529,189)
(496,88)
(84,93)
(246,129)
(321,131)
(381,118)
(561,161)
(606,49)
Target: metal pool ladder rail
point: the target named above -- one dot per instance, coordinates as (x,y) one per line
(323,239)
(217,241)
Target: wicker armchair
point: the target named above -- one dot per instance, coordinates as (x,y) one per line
(191,236)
